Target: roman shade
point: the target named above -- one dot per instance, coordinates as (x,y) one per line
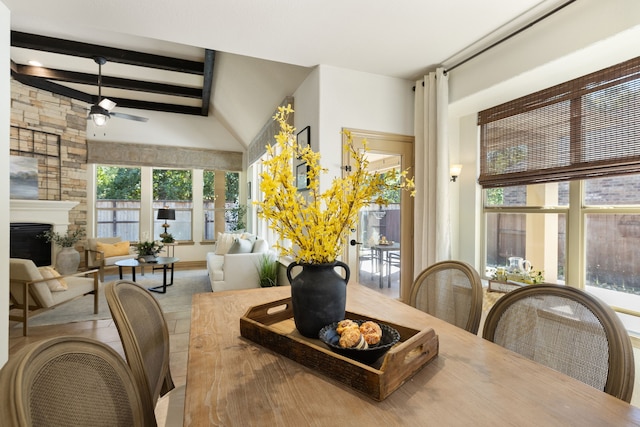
(587,127)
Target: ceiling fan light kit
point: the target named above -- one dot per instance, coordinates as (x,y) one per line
(99,115)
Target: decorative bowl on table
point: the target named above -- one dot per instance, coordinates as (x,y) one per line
(369,355)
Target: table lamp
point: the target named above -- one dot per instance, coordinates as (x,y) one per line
(166,214)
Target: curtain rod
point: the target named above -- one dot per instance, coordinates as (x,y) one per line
(515,33)
(529,25)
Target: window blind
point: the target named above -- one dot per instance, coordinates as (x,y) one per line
(587,127)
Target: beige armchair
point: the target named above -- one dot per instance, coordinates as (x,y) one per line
(104,252)
(31,292)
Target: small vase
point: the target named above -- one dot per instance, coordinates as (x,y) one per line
(67,261)
(148,258)
(318,296)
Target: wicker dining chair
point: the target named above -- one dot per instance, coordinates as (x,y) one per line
(451,291)
(145,338)
(71,381)
(568,330)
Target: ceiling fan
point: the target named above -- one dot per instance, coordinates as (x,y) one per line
(101,111)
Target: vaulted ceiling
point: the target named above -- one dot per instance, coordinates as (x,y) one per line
(235,61)
(66,81)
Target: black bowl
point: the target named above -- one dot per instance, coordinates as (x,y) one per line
(390,337)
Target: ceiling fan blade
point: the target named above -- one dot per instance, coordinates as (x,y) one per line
(107,104)
(129,117)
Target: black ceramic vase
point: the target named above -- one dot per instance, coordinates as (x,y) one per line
(318,296)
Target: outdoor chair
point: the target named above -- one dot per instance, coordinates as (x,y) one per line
(567,330)
(393,260)
(71,381)
(145,339)
(451,291)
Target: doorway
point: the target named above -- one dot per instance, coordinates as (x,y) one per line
(381,246)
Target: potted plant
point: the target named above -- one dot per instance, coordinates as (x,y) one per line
(268,271)
(167,238)
(148,250)
(67,258)
(317,223)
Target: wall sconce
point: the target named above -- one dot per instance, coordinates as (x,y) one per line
(455,170)
(166,214)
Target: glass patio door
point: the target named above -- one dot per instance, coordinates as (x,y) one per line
(380,254)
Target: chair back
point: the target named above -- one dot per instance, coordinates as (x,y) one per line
(25,270)
(567,330)
(92,245)
(144,334)
(451,291)
(65,381)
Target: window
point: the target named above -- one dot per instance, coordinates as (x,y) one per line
(612,233)
(173,189)
(561,175)
(118,202)
(528,222)
(208,205)
(235,213)
(221,204)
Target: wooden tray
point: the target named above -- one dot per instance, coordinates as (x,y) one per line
(271,325)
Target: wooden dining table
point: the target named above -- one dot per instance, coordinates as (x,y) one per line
(233,381)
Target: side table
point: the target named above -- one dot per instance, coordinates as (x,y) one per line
(171,252)
(166,263)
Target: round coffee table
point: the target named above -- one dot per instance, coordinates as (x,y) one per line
(167,263)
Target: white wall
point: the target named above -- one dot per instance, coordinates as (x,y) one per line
(587,36)
(5,42)
(307,107)
(353,99)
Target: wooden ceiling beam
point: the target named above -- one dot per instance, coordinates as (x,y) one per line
(111,54)
(107,81)
(207,84)
(56,88)
(44,78)
(155,106)
(44,84)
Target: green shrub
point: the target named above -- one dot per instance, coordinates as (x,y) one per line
(268,271)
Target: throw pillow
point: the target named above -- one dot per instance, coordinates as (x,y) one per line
(224,242)
(116,249)
(58,284)
(241,246)
(249,236)
(260,246)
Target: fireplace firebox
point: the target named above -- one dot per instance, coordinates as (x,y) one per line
(26,242)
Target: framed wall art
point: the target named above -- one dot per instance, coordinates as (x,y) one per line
(302,180)
(23,177)
(303,137)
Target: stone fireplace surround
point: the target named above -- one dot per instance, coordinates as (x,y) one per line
(55,213)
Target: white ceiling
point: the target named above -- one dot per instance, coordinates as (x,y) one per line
(265,48)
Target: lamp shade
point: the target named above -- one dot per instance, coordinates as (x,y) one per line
(455,170)
(166,214)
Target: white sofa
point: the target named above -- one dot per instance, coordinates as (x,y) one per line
(236,267)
